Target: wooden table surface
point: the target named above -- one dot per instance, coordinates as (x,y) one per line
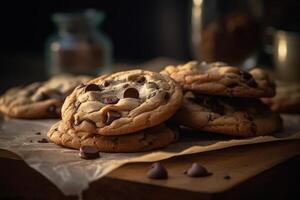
(250,169)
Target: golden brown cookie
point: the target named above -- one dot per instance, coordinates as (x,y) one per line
(221,79)
(245,117)
(287,99)
(145,140)
(122,103)
(39,100)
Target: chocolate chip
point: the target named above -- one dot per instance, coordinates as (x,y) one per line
(92,87)
(110,99)
(125,85)
(131,93)
(153,85)
(52,109)
(151,95)
(252,83)
(81,85)
(38,133)
(43,140)
(106,83)
(88,152)
(197,170)
(31,141)
(166,96)
(245,75)
(140,79)
(40,97)
(111,115)
(157,171)
(227,177)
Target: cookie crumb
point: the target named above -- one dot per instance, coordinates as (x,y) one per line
(43,140)
(227,177)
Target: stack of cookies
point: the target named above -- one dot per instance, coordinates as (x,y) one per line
(121,112)
(223,99)
(39,99)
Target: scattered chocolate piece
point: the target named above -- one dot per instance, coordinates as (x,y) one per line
(92,87)
(140,79)
(153,85)
(227,177)
(43,140)
(197,170)
(157,171)
(111,115)
(131,93)
(88,152)
(38,133)
(110,100)
(31,141)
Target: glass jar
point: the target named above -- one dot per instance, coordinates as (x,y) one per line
(78,47)
(226,31)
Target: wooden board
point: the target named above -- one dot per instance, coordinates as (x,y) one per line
(241,163)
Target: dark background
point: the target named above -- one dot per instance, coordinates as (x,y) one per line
(140,30)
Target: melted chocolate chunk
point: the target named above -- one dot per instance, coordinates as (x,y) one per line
(92,87)
(140,79)
(197,170)
(153,85)
(88,152)
(131,93)
(157,171)
(167,96)
(110,99)
(111,115)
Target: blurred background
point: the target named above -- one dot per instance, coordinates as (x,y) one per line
(138,31)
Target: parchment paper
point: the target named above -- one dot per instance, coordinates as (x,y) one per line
(72,174)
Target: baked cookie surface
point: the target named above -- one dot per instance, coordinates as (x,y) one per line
(287,99)
(40,99)
(144,140)
(122,103)
(245,117)
(220,79)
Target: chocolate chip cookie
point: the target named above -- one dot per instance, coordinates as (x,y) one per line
(122,103)
(40,99)
(221,79)
(144,140)
(287,99)
(245,117)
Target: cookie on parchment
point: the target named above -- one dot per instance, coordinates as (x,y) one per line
(122,103)
(40,99)
(220,79)
(144,140)
(287,98)
(244,117)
